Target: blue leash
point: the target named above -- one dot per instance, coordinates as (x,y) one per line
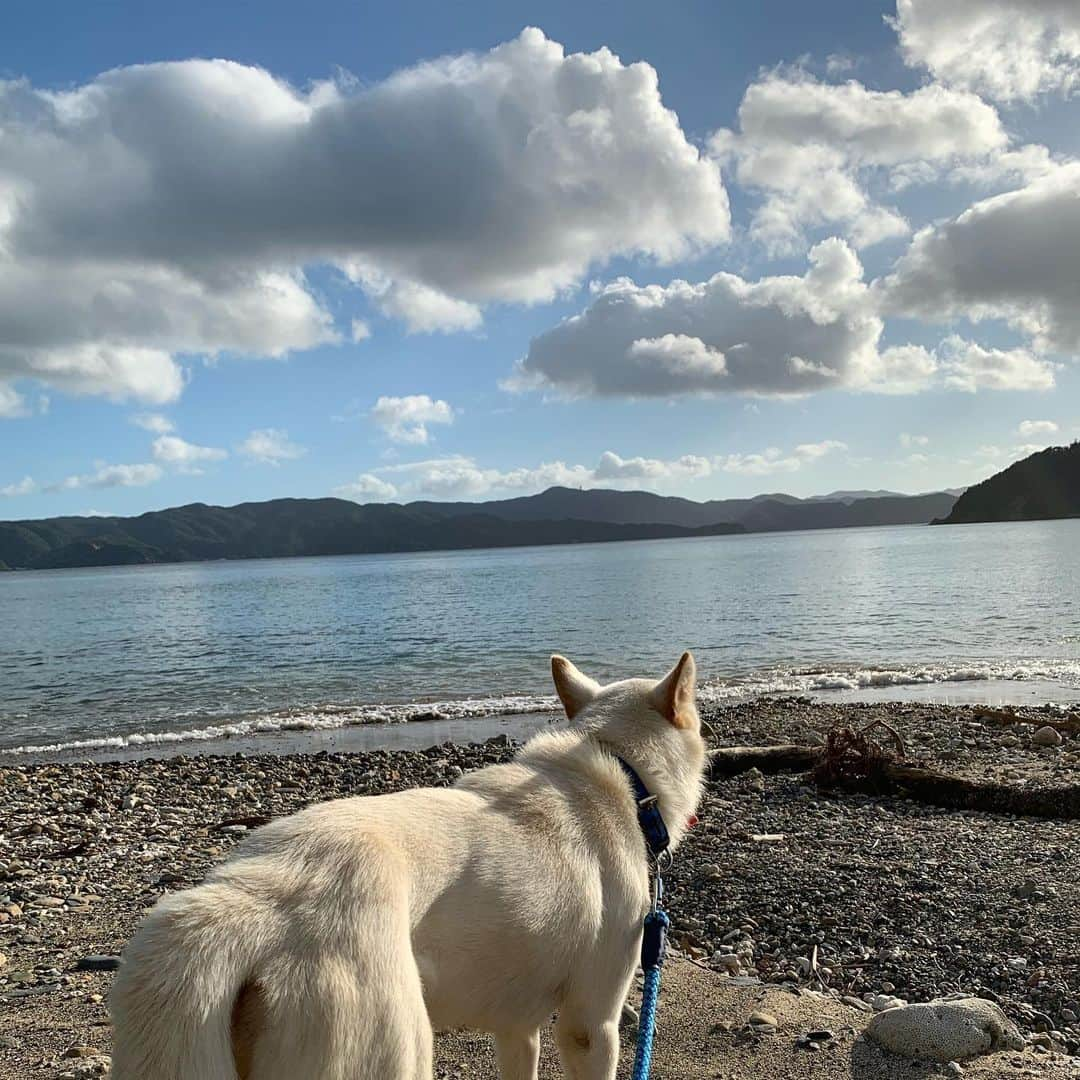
(654,931)
(653,949)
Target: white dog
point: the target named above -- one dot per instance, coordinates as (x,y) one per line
(332,942)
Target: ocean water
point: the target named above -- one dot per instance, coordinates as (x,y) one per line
(200,652)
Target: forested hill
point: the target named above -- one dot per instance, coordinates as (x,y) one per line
(284,527)
(1045,485)
(763,513)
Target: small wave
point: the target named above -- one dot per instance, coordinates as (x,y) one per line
(819,680)
(315,718)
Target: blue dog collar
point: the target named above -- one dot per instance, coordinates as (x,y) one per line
(648,812)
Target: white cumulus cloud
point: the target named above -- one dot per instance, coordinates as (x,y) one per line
(1027,429)
(1014,257)
(12,403)
(969,366)
(367,488)
(406,419)
(815,149)
(107,476)
(613,467)
(908,441)
(1005,49)
(205,188)
(184,456)
(270,446)
(774,460)
(155,422)
(25,486)
(777,335)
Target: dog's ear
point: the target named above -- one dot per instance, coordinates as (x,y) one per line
(673,696)
(574,689)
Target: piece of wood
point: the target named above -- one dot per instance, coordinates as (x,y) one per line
(959,793)
(907,781)
(732,760)
(1067,724)
(252,822)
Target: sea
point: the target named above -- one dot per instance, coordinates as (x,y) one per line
(334,652)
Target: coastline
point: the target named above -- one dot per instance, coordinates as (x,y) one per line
(897,895)
(339,727)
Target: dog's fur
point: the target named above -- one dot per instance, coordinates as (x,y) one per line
(333,941)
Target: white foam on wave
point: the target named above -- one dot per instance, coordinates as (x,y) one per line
(816,680)
(316,718)
(801,681)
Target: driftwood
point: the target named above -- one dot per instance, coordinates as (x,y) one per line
(732,760)
(1067,724)
(957,793)
(252,822)
(851,761)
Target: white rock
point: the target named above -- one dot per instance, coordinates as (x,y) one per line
(883,1002)
(945,1030)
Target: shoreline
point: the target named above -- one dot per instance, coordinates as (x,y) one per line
(899,898)
(424,724)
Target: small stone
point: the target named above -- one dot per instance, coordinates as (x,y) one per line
(955,1068)
(81,1052)
(762,1019)
(98,963)
(857,1003)
(884,1002)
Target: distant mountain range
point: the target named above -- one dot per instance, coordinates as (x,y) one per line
(763,513)
(1044,485)
(285,527)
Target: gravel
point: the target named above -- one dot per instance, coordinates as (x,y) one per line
(864,898)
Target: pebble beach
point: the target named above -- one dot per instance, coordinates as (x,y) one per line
(853,899)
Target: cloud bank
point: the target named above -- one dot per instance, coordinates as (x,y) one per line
(173,208)
(459,477)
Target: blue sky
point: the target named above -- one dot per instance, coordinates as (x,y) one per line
(825,251)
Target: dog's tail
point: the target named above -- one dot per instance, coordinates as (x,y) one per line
(173,1000)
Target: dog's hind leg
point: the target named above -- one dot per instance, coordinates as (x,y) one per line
(587,1034)
(344,1018)
(518,1054)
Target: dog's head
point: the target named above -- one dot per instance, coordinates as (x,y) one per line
(653,724)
